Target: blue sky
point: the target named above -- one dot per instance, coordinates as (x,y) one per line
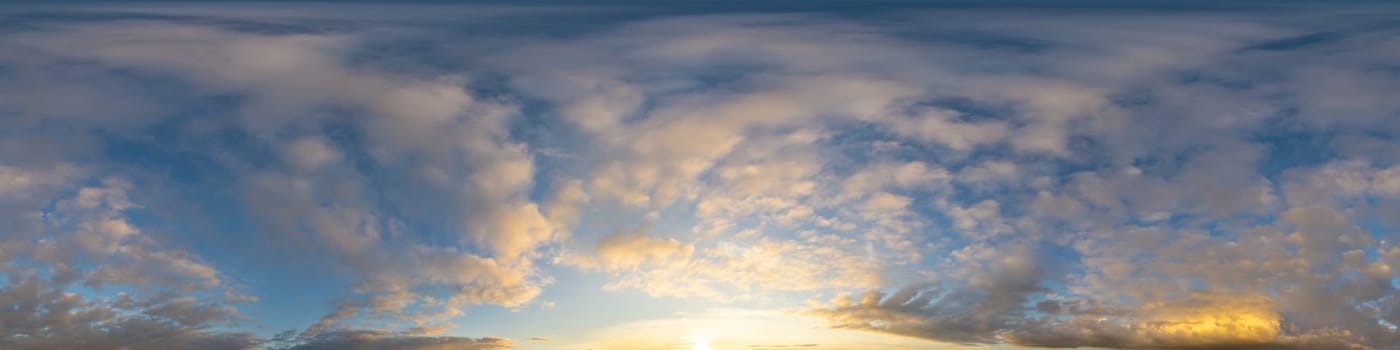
(699,175)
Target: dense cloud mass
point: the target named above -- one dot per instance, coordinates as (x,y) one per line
(366,340)
(1200,178)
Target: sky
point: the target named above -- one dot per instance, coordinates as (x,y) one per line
(687,175)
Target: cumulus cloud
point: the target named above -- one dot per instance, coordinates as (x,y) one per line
(430,126)
(86,242)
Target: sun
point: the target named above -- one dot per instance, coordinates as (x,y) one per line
(701,343)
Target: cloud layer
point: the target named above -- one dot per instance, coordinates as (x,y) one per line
(1099,178)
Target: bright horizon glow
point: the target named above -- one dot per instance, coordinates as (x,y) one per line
(701,343)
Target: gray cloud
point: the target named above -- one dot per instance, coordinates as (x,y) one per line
(370,339)
(86,241)
(40,315)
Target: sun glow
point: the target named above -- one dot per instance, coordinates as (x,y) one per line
(727,328)
(701,343)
